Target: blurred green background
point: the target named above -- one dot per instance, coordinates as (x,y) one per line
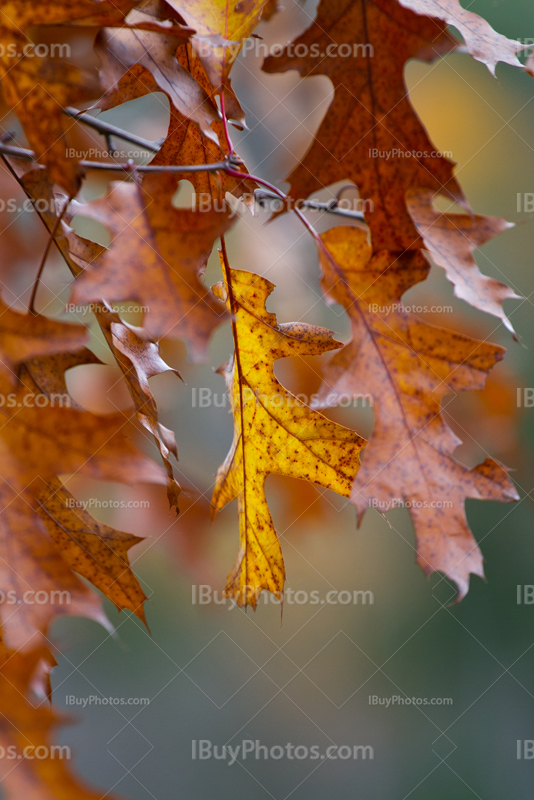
(226,675)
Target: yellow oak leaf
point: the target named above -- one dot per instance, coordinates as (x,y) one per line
(221,27)
(274,432)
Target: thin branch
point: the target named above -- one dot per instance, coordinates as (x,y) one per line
(110,130)
(101,165)
(228,166)
(29,155)
(16,152)
(331,206)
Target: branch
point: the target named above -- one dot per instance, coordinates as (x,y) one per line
(228,165)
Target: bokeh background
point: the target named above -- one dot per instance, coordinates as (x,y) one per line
(226,675)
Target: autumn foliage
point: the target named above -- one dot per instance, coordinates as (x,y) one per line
(157,256)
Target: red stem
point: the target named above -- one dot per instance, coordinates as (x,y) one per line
(225,124)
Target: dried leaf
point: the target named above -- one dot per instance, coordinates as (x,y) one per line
(408,366)
(220,28)
(156,257)
(185,144)
(37,89)
(125,344)
(37,584)
(273,432)
(138,360)
(370,134)
(136,62)
(47,373)
(23,336)
(39,772)
(96,551)
(37,443)
(451,240)
(196,134)
(484,44)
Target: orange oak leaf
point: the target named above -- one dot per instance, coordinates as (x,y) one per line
(137,357)
(17,14)
(156,257)
(137,360)
(38,88)
(196,133)
(136,62)
(37,769)
(408,366)
(184,143)
(37,443)
(23,336)
(96,551)
(37,91)
(36,582)
(46,374)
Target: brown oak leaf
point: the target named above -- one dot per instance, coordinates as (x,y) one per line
(370,134)
(408,366)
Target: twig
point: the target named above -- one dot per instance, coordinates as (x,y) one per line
(228,165)
(330,206)
(110,130)
(218,166)
(16,152)
(29,155)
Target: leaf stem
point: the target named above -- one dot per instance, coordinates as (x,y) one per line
(233,307)
(51,238)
